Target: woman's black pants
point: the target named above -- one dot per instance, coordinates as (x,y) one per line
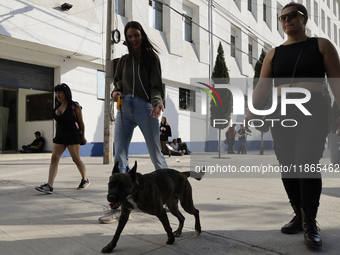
(300,148)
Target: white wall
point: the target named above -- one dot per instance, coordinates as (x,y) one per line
(42,22)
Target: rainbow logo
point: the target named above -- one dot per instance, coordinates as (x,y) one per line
(213,90)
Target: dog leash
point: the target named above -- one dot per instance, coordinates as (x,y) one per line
(119,108)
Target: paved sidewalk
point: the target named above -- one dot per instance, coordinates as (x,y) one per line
(238,215)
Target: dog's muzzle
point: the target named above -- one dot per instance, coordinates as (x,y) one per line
(114,205)
(113,201)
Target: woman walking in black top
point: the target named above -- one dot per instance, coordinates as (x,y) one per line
(300,146)
(70,130)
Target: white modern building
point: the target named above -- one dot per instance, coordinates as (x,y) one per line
(43,43)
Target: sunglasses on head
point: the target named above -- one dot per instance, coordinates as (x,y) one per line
(290,15)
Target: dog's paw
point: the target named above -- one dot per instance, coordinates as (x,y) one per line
(177,233)
(198,232)
(171,240)
(107,249)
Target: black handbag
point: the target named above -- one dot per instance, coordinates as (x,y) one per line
(77,124)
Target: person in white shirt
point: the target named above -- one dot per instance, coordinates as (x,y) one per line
(173,148)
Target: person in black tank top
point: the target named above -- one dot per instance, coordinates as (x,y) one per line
(300,147)
(69,134)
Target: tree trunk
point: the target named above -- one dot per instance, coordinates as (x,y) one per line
(262,147)
(219,143)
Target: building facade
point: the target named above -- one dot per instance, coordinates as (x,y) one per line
(43,45)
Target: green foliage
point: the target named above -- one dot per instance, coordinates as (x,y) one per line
(221,112)
(268,101)
(221,75)
(220,68)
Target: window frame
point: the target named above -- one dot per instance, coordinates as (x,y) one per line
(119,7)
(39,110)
(100,86)
(232,46)
(187,23)
(189,100)
(156,15)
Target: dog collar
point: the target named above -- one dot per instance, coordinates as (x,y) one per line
(133,194)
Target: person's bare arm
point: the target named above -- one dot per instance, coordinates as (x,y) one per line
(332,66)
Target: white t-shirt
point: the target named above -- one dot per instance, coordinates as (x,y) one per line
(175,146)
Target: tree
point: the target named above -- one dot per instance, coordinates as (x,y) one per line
(217,111)
(267,102)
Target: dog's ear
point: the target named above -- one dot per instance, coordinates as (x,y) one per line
(115,169)
(132,172)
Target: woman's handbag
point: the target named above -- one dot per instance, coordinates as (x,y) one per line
(77,124)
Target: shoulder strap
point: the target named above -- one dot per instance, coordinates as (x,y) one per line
(297,61)
(74,112)
(122,65)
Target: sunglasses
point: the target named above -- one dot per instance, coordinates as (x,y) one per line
(290,15)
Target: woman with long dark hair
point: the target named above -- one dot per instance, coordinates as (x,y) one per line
(165,132)
(70,130)
(138,81)
(300,147)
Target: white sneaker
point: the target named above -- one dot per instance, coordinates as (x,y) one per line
(111,215)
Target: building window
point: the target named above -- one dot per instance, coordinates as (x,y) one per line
(100,85)
(232,46)
(156,15)
(187,29)
(308,7)
(334,7)
(252,7)
(250,53)
(316,14)
(187,24)
(267,13)
(323,22)
(329,30)
(278,23)
(335,34)
(120,7)
(187,100)
(39,107)
(264,12)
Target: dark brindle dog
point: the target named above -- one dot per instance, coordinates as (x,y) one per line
(149,193)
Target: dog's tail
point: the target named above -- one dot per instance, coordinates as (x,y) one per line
(197,175)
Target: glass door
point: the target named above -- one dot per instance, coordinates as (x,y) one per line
(8,119)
